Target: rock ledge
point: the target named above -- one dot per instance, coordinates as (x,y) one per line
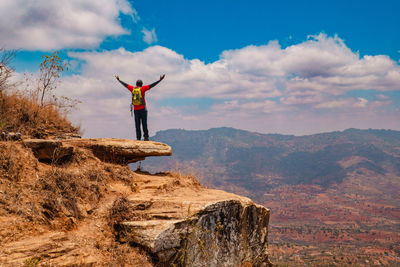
(121,151)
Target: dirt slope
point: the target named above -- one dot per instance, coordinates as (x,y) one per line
(60,214)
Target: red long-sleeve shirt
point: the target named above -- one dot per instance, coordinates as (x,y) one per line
(143,90)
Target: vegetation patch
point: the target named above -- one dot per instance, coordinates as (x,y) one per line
(19,113)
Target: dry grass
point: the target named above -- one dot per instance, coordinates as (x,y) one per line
(19,113)
(59,198)
(11,164)
(17,168)
(36,198)
(68,196)
(120,211)
(52,195)
(125,255)
(61,191)
(184,179)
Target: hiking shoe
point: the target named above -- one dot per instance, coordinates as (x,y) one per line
(146,139)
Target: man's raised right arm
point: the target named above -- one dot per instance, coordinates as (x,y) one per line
(123,83)
(155,83)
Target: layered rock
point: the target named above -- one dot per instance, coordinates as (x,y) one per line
(120,151)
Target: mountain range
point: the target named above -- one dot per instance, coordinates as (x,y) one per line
(255,163)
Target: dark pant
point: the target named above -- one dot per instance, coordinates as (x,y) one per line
(141,116)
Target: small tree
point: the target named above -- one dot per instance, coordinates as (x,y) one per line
(6,56)
(50,73)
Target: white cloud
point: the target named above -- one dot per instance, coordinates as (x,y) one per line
(334,104)
(361,102)
(302,97)
(149,37)
(264,88)
(126,8)
(321,63)
(347,103)
(382,97)
(45,25)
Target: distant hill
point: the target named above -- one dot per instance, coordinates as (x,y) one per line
(225,156)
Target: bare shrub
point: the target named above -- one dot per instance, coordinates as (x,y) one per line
(121,210)
(6,57)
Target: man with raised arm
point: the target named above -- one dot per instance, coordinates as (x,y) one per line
(139,104)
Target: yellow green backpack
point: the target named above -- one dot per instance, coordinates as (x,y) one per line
(137,98)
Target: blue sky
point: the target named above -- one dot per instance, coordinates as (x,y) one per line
(296,67)
(203,29)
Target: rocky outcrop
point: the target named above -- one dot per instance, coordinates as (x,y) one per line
(75,214)
(203,227)
(121,151)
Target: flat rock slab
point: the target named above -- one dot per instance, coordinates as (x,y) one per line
(121,151)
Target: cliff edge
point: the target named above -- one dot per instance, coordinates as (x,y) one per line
(76,202)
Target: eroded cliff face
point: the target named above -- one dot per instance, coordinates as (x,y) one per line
(198,227)
(78,205)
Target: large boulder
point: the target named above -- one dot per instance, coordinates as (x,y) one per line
(214,229)
(122,151)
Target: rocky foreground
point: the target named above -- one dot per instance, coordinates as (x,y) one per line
(76,202)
